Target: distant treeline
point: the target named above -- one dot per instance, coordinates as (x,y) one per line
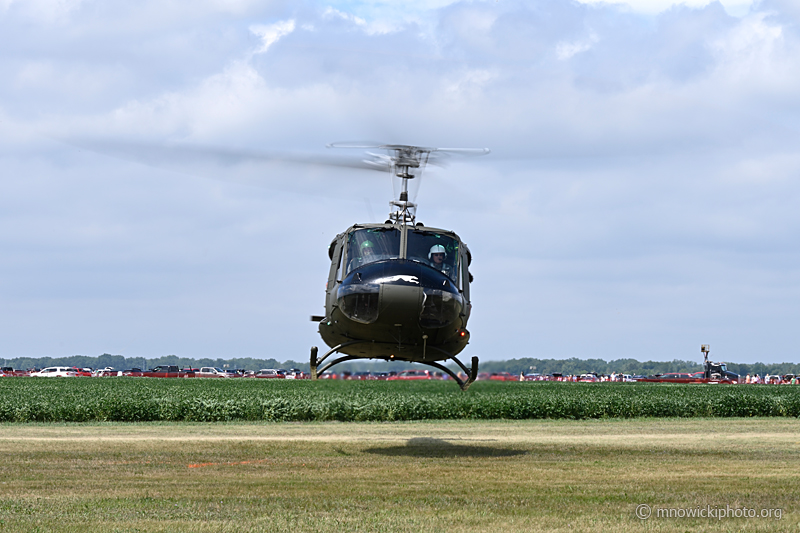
(515,366)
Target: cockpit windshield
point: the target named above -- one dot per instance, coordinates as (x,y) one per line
(435,250)
(368,245)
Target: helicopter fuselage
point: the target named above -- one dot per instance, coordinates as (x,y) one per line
(397,292)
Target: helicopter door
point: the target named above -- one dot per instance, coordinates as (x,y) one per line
(334,276)
(466,258)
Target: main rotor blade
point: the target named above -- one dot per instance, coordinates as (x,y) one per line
(356,144)
(168,155)
(408,147)
(464,151)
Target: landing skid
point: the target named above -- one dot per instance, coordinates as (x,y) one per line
(472,372)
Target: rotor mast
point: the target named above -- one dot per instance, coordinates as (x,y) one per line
(405,158)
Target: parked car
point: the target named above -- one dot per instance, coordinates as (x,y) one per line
(503,376)
(167,371)
(269,373)
(134,372)
(55,372)
(211,372)
(8,371)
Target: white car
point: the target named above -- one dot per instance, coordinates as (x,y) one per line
(55,372)
(106,372)
(211,372)
(269,373)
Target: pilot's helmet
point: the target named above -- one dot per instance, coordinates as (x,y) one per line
(367,246)
(437,249)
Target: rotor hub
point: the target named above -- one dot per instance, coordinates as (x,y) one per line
(406,162)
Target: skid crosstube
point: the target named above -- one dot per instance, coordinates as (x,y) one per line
(471,372)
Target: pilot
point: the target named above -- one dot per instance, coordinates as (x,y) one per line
(367,252)
(367,255)
(436,257)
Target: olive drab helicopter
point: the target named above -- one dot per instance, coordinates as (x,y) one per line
(398,291)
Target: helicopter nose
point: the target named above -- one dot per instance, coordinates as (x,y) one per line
(391,300)
(400,292)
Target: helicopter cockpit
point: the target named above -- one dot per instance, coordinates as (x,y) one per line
(431,248)
(367,246)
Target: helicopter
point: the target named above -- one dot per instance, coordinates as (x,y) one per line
(398,291)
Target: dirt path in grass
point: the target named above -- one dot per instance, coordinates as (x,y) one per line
(636,432)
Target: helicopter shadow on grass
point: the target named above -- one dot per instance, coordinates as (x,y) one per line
(430,447)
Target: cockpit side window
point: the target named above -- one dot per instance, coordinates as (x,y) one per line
(369,245)
(436,250)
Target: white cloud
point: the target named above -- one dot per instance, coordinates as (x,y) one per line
(331,12)
(269,34)
(468,85)
(754,38)
(735,7)
(565,50)
(47,11)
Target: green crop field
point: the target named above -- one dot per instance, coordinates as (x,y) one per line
(209,400)
(454,476)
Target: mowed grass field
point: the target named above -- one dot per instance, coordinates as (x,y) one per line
(533,475)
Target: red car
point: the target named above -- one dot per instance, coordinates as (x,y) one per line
(8,371)
(411,375)
(673,377)
(503,376)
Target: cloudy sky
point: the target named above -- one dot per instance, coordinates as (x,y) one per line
(639,199)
